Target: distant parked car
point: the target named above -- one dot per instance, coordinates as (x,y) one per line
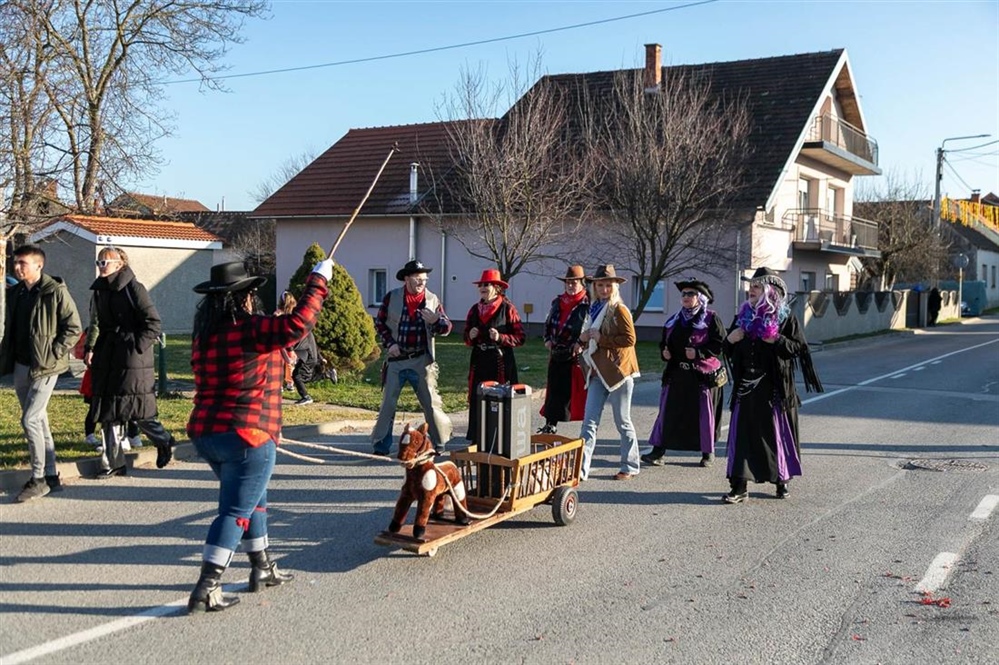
(965,308)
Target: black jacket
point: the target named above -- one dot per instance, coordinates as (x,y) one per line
(124,324)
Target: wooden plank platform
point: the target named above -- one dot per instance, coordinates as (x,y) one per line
(439,533)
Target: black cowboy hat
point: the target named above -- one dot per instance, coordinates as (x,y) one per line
(606,273)
(227,277)
(769,277)
(696,285)
(411,268)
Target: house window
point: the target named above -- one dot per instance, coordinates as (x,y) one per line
(993,277)
(657,301)
(807,281)
(985,273)
(376,286)
(830,282)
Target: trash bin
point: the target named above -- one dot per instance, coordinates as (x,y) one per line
(504,419)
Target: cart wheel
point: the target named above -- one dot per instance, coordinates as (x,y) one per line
(431,553)
(564,502)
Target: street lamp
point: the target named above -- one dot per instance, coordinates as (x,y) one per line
(940,154)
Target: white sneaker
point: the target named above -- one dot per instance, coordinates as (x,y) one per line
(135,441)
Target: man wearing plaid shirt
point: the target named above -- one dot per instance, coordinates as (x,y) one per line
(407,321)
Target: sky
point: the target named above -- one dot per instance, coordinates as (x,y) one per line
(925,72)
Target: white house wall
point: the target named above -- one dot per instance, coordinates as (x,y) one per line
(383,244)
(168,274)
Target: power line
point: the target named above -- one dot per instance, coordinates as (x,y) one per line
(956,175)
(974,147)
(450,47)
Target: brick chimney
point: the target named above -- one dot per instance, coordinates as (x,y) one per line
(653,67)
(976,195)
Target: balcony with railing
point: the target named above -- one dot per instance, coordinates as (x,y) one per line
(839,144)
(817,230)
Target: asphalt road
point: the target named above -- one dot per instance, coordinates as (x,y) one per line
(901,472)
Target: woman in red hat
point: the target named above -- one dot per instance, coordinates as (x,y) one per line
(565,389)
(492,329)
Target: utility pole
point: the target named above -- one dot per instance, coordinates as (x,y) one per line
(939,174)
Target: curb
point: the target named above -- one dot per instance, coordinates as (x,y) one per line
(12,480)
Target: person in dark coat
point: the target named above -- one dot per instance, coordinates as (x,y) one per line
(492,329)
(689,406)
(933,303)
(565,390)
(764,345)
(124,324)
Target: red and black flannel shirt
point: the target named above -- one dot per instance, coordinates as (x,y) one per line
(237,377)
(412,333)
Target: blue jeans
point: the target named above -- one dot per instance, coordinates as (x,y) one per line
(243,472)
(620,400)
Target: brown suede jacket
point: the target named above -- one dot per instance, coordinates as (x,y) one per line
(614,358)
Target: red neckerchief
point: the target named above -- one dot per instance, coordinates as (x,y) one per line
(566,304)
(488,309)
(413,301)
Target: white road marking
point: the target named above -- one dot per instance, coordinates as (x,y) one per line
(934,361)
(985,507)
(919,369)
(91,634)
(937,573)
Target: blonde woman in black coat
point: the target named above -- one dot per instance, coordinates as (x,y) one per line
(124,324)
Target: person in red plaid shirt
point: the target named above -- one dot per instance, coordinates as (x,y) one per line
(236,421)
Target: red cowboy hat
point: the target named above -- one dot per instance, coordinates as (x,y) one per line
(491,276)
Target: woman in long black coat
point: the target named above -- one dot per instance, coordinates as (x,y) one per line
(689,404)
(124,324)
(763,346)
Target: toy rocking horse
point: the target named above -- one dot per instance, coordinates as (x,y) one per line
(425,483)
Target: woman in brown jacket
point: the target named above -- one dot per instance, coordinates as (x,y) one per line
(609,333)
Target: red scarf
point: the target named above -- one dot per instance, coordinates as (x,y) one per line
(566,304)
(488,309)
(413,301)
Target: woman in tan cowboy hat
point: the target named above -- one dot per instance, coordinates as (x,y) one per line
(612,368)
(565,390)
(492,329)
(690,400)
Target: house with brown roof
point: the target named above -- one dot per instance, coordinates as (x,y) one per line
(808,141)
(131,204)
(169,258)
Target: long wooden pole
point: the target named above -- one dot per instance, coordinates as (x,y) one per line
(350,221)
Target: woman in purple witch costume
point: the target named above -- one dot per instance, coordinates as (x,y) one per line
(763,346)
(691,345)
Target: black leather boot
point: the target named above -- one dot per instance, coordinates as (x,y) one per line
(265,572)
(207,595)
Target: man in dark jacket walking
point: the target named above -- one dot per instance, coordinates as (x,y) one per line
(42,325)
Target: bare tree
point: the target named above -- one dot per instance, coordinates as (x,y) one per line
(911,250)
(288,169)
(517,184)
(102,68)
(671,165)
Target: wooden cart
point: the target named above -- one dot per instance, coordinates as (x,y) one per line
(550,474)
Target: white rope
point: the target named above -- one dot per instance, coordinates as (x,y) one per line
(425,457)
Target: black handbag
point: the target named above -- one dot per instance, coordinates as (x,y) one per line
(715,379)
